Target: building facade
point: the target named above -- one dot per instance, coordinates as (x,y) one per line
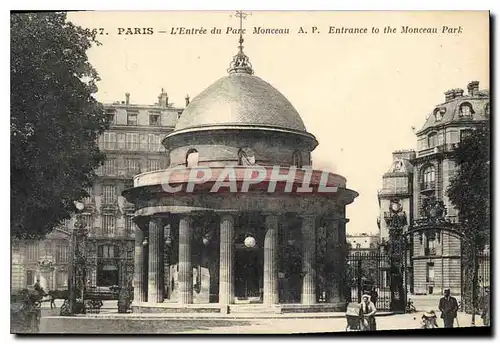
(363,242)
(417,181)
(132,146)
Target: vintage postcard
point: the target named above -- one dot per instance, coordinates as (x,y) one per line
(235,172)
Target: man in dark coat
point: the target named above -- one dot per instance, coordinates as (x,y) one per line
(486,308)
(448,306)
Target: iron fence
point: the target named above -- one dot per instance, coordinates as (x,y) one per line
(368,273)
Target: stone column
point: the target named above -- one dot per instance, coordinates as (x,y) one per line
(308,260)
(271,295)
(167,254)
(140,284)
(185,274)
(333,277)
(226,273)
(155,271)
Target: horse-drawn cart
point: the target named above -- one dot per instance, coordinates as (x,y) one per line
(93,298)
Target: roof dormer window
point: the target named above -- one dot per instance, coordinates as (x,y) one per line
(438,113)
(466,110)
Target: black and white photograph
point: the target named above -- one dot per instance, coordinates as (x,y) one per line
(250,172)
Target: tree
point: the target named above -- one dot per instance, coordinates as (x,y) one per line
(469,193)
(55,121)
(469,189)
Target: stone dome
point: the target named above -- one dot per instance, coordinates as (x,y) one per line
(240,100)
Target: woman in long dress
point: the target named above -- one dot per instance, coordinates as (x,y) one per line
(368,311)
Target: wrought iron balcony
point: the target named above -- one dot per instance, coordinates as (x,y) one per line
(430,251)
(428,186)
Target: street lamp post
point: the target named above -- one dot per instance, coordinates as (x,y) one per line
(76,273)
(396,221)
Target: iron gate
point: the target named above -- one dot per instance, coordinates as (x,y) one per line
(369,273)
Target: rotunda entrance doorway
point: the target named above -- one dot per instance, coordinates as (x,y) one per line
(249,274)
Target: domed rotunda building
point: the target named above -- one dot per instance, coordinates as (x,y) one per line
(239,220)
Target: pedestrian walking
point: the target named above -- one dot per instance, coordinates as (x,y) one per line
(374,296)
(486,308)
(368,311)
(448,306)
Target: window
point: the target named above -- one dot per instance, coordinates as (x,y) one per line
(30,278)
(32,251)
(153,142)
(88,199)
(465,133)
(87,220)
(466,110)
(109,194)
(108,251)
(358,245)
(61,279)
(192,157)
(154,120)
(430,272)
(108,225)
(129,225)
(429,175)
(154,165)
(246,157)
(487,110)
(432,140)
(110,116)
(438,113)
(110,141)
(132,141)
(109,167)
(132,166)
(131,118)
(62,254)
(430,244)
(121,140)
(297,159)
(67,223)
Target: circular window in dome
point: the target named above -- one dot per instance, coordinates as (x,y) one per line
(246,157)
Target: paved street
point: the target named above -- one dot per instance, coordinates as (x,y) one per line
(173,325)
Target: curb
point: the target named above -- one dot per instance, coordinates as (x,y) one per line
(171,316)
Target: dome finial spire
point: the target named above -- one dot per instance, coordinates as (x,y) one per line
(241,62)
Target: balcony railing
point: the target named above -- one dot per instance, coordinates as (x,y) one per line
(430,251)
(394,190)
(426,186)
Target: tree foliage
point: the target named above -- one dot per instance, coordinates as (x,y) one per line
(55,121)
(469,190)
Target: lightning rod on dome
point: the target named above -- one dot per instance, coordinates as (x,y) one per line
(241,62)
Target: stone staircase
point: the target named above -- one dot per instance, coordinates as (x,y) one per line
(248,308)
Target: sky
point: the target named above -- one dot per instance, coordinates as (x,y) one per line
(359,94)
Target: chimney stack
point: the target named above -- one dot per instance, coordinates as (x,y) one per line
(473,88)
(458,92)
(449,95)
(187,99)
(127,98)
